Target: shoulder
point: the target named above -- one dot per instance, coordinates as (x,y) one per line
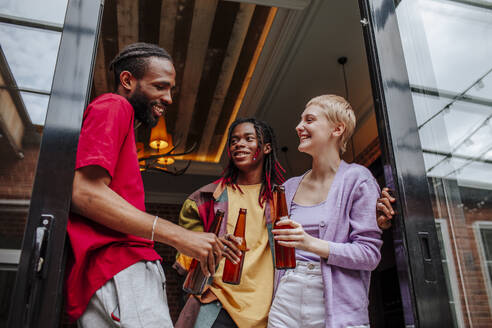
(293,182)
(111,104)
(291,185)
(200,192)
(357,173)
(358,178)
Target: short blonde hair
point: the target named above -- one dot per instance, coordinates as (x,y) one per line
(337,110)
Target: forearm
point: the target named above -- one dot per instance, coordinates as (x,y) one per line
(104,206)
(355,255)
(93,198)
(362,253)
(318,246)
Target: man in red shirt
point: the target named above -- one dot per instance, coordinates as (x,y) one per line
(114,277)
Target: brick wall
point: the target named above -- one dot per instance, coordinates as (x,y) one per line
(16,181)
(461,212)
(174,282)
(17,175)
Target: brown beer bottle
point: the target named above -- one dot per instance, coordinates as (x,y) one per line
(195,280)
(285,257)
(232,272)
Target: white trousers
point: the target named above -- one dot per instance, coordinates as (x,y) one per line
(135,297)
(299,300)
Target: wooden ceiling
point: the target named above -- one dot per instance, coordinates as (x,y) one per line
(214,45)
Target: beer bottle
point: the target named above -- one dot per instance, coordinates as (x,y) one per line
(232,272)
(285,257)
(195,280)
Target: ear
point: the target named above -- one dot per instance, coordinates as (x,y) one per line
(127,81)
(267,148)
(338,130)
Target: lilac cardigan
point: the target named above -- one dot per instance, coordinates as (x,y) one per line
(354,239)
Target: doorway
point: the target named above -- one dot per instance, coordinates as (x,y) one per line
(329,57)
(267,58)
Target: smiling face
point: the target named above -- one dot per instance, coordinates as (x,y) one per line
(316,132)
(245,148)
(151,94)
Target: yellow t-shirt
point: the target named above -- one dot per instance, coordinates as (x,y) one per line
(249,302)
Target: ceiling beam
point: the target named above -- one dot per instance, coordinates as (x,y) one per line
(238,35)
(127,19)
(203,19)
(100,74)
(247,79)
(287,4)
(169,11)
(109,36)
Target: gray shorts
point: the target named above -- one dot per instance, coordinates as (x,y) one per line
(135,297)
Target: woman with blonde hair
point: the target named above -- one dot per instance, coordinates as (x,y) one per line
(332,210)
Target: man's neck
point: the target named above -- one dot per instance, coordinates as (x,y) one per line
(250,178)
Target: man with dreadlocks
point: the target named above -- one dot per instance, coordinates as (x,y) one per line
(114,277)
(246,183)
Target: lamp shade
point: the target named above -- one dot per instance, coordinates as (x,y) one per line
(158,135)
(165,160)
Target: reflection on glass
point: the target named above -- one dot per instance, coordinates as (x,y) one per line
(36,106)
(52,11)
(449,271)
(27,63)
(32,61)
(448,50)
(483,233)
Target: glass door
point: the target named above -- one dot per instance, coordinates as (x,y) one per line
(421,265)
(46,55)
(447,50)
(433,74)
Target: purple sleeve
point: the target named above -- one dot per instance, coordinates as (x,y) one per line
(362,250)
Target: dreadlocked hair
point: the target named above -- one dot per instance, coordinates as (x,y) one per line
(272,170)
(134,57)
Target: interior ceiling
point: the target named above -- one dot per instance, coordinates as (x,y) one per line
(213,45)
(334,31)
(212,61)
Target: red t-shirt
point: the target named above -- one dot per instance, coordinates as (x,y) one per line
(107,139)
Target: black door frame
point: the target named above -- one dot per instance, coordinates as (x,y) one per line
(422,281)
(37,297)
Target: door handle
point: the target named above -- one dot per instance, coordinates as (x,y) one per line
(427,260)
(41,240)
(38,268)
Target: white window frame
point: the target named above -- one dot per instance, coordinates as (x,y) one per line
(443,224)
(477,226)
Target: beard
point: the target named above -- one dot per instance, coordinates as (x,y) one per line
(143,108)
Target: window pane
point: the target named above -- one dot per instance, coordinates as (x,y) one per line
(32,61)
(32,64)
(45,10)
(487,243)
(36,106)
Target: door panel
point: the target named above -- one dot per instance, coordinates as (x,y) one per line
(36,300)
(447,51)
(422,280)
